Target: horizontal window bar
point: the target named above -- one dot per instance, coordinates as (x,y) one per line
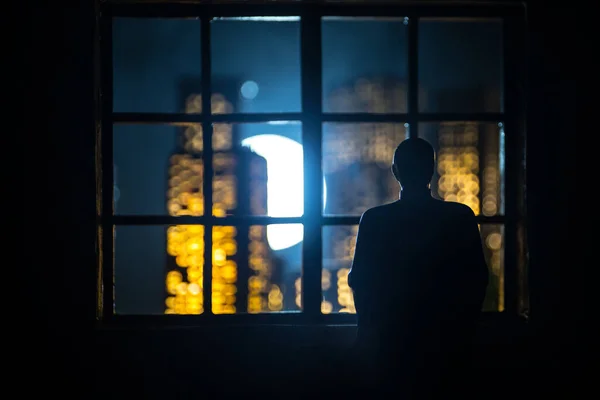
(179,321)
(250,220)
(186,119)
(251,320)
(355,219)
(200,220)
(363,117)
(496,219)
(439,9)
(475,117)
(156,118)
(423,117)
(341,220)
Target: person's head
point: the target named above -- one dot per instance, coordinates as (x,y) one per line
(413,164)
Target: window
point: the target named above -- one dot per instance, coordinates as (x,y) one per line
(233,138)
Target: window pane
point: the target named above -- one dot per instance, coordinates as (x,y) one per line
(364,65)
(249,275)
(154,62)
(470,164)
(142,272)
(460,65)
(357,161)
(256,64)
(159,269)
(152,175)
(258,169)
(338,252)
(492,236)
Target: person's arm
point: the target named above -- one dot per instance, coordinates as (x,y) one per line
(478,269)
(358,276)
(469,280)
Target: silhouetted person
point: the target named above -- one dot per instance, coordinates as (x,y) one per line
(419,279)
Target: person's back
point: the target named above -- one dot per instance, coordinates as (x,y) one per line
(419,276)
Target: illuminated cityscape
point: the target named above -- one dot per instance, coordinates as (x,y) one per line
(257,167)
(468,160)
(356,159)
(185,243)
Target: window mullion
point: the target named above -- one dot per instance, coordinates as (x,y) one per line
(413,76)
(106,237)
(310,45)
(513,108)
(207,156)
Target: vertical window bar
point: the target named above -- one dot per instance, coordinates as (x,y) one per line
(512,108)
(310,44)
(207,157)
(241,257)
(106,142)
(413,76)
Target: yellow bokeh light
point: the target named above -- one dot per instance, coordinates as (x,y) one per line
(219,257)
(186,244)
(326,307)
(194,288)
(182,288)
(458,164)
(345,296)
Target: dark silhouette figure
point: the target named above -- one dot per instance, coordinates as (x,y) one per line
(419,279)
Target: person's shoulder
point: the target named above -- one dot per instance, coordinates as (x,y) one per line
(369,217)
(377,212)
(458,209)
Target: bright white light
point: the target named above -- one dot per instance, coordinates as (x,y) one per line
(285,186)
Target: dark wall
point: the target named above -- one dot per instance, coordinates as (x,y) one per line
(167,362)
(551,179)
